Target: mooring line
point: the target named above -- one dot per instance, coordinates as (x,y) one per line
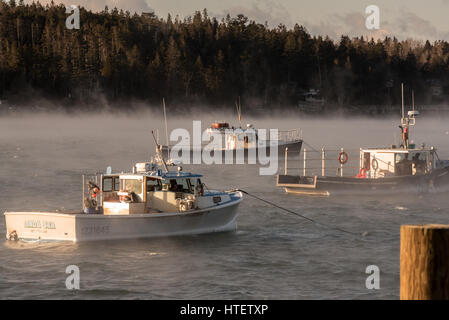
(297,214)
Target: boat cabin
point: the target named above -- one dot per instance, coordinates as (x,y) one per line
(235,138)
(155,192)
(147,193)
(242,138)
(380,163)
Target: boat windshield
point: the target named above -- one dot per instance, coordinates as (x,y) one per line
(247,136)
(153,185)
(410,164)
(132,185)
(177,185)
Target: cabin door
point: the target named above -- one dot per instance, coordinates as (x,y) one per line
(366,161)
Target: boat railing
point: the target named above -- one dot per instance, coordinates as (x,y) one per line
(290,135)
(325,162)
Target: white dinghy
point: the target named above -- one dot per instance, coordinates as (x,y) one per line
(151,201)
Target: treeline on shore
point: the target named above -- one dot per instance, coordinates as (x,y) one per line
(116,56)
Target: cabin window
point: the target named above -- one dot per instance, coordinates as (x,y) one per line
(107,184)
(153,185)
(246,137)
(186,185)
(116,184)
(401,157)
(403,166)
(132,185)
(165,185)
(419,163)
(111,184)
(179,185)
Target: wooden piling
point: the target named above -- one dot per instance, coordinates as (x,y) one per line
(424,271)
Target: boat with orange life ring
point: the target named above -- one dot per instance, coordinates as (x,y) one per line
(395,169)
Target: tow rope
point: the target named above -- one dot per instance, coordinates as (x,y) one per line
(300,215)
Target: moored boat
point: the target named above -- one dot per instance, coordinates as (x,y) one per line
(403,168)
(248,138)
(237,141)
(150,201)
(245,141)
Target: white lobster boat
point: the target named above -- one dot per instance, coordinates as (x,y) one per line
(247,138)
(148,202)
(238,141)
(242,142)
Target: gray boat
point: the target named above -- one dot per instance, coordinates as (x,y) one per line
(403,168)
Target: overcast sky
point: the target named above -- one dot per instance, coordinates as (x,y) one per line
(419,19)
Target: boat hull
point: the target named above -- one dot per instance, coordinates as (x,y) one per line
(293,146)
(91,227)
(326,186)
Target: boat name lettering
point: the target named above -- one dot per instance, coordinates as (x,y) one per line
(38,224)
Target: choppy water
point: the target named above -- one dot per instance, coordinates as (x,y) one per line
(272,255)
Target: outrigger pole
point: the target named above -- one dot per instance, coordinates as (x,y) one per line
(159,152)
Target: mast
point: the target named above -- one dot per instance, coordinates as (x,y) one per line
(402,96)
(166,127)
(408,120)
(239,111)
(404,121)
(159,152)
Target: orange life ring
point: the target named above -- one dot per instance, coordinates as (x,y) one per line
(343,158)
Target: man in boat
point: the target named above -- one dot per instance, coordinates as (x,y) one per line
(404,166)
(419,166)
(404,131)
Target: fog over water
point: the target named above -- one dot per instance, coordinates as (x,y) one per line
(271,255)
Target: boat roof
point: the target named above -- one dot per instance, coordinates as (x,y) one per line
(157,175)
(397,150)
